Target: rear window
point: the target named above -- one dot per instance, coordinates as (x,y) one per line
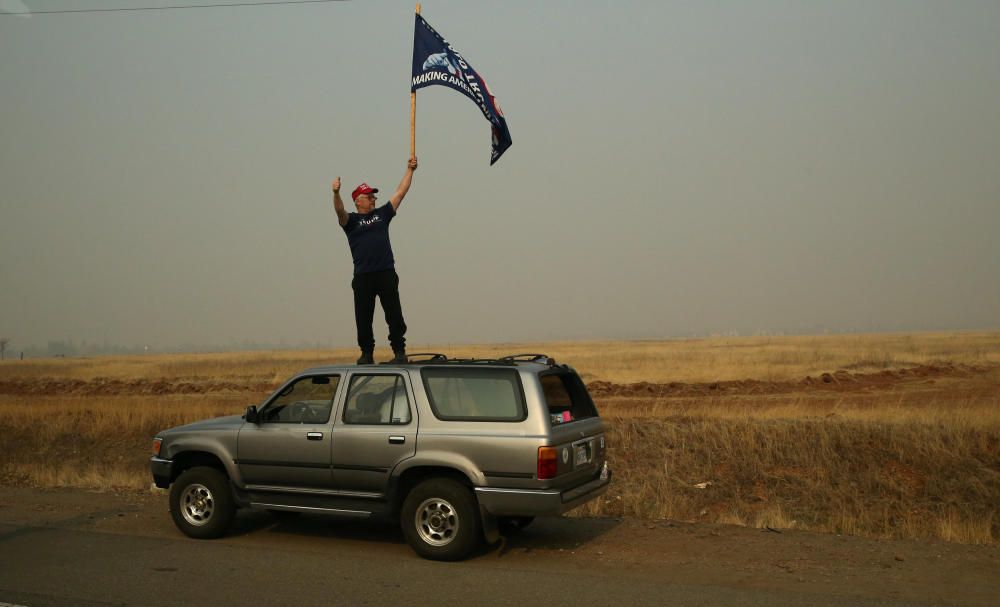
(474,394)
(567,398)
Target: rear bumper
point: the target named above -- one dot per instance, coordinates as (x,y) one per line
(162,471)
(527,502)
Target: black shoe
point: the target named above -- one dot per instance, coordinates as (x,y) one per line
(399,356)
(367,358)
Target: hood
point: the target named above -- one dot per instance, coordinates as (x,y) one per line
(230,422)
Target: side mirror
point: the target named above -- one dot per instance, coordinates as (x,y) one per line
(251,414)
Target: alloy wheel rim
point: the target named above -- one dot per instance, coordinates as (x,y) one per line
(436,522)
(197,504)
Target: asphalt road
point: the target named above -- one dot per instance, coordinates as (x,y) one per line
(62,548)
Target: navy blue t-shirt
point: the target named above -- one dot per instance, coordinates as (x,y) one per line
(368,236)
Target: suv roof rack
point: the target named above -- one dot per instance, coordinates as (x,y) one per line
(426,357)
(437,358)
(535,358)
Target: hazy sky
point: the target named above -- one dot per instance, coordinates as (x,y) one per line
(677,168)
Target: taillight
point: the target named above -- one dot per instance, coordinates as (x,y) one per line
(548,462)
(156,446)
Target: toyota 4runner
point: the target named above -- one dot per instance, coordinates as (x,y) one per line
(456,450)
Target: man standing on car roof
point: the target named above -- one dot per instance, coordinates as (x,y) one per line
(374,267)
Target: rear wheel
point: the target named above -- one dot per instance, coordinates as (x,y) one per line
(440,520)
(201,503)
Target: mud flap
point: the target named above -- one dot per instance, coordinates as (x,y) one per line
(491,530)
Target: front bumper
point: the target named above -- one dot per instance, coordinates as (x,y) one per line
(162,470)
(527,502)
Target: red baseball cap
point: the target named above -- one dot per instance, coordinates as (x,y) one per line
(364,188)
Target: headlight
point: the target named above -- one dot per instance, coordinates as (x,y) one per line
(156,446)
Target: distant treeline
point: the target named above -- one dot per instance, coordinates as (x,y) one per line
(69,348)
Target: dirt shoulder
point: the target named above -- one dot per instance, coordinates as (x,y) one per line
(908,572)
(843,381)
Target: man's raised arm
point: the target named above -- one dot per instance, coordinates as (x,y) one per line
(404,185)
(338,204)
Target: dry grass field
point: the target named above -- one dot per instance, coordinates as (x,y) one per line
(879,435)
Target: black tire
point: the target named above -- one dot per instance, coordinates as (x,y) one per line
(201,503)
(510,525)
(440,520)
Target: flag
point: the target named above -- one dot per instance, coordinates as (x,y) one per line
(437,62)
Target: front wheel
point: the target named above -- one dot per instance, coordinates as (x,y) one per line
(440,520)
(201,503)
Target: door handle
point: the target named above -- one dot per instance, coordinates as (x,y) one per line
(397,440)
(314,435)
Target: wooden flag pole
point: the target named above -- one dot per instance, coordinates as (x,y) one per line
(413,115)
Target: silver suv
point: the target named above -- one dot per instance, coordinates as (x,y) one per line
(456,450)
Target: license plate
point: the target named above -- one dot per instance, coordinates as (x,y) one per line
(584,454)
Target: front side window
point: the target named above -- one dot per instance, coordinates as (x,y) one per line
(463,394)
(377,399)
(308,400)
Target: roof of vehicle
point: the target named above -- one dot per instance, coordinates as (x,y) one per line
(534,362)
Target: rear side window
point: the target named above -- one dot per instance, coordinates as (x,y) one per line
(377,399)
(567,398)
(474,394)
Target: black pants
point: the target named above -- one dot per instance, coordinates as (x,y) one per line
(385,285)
